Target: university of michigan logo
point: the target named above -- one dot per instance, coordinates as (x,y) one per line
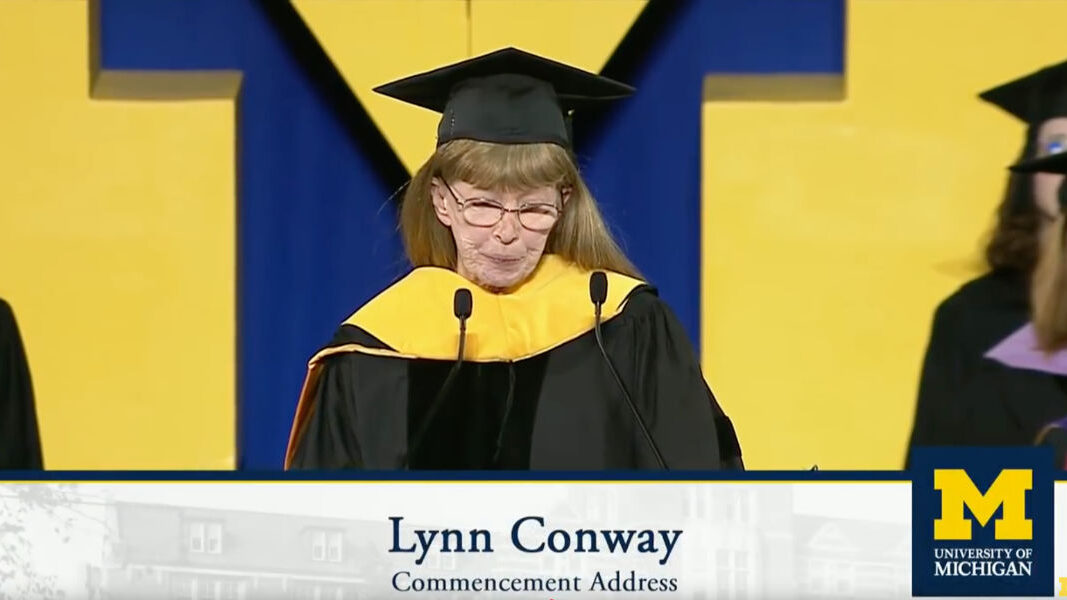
(1007,492)
(982,522)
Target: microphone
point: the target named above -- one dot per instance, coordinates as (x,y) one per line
(598,294)
(462,307)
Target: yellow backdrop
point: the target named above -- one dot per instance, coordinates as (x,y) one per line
(411,36)
(117,218)
(117,246)
(831,229)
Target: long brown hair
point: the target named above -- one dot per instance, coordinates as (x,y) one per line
(1013,246)
(580,235)
(1048,293)
(1020,243)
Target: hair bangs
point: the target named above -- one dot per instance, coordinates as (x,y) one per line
(509,167)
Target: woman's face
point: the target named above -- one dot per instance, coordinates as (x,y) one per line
(1051,139)
(496,254)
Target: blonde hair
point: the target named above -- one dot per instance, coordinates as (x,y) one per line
(1048,289)
(579,236)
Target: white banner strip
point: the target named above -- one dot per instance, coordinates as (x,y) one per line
(340,540)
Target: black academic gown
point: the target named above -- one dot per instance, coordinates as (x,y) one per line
(966,325)
(20,446)
(556,410)
(1007,406)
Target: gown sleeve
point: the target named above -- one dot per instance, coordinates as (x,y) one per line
(943,374)
(20,445)
(353,409)
(329,439)
(657,360)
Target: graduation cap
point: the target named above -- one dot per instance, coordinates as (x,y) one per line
(1053,163)
(508,97)
(1035,97)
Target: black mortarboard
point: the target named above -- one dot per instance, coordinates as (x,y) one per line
(1033,98)
(507,96)
(1053,163)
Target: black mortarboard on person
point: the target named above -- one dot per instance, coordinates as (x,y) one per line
(507,97)
(1033,99)
(1053,163)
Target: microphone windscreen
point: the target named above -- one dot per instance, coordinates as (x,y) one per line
(462,303)
(598,287)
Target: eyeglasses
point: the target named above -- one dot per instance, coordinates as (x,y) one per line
(483,212)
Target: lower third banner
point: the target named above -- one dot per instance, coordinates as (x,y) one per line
(230,540)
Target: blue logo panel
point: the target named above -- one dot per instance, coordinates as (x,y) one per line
(982,522)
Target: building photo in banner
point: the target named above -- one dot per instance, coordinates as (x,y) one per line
(343,258)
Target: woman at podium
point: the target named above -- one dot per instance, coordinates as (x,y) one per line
(523,338)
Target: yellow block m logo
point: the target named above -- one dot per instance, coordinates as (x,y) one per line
(1008,490)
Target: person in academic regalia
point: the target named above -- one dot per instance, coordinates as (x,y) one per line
(1018,394)
(20,445)
(986,309)
(500,210)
